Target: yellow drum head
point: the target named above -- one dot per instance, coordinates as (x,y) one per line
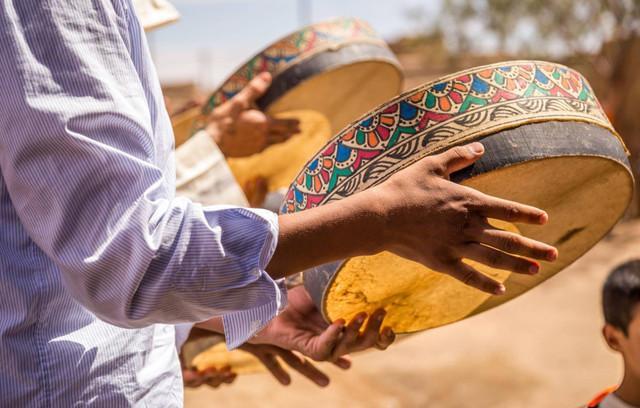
(581,210)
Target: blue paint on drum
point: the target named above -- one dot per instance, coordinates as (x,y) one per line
(343,153)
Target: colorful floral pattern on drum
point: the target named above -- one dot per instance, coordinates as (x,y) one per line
(287,51)
(457,109)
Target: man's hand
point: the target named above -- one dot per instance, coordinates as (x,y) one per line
(302,328)
(436,222)
(267,355)
(421,215)
(239,129)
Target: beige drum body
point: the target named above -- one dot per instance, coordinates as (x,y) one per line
(547,144)
(155,13)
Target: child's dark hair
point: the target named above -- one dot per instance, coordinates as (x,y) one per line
(621,294)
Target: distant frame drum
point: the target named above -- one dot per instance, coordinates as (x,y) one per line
(547,143)
(341,68)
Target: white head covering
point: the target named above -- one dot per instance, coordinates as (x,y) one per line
(155,13)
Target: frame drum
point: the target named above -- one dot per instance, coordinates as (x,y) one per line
(547,144)
(329,72)
(340,68)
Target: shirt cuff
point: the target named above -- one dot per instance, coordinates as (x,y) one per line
(243,325)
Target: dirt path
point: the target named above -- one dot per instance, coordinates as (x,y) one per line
(543,349)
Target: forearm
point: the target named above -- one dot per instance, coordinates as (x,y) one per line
(350,227)
(214,325)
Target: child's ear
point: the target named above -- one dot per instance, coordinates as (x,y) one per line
(613,336)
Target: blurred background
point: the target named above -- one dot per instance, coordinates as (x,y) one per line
(542,349)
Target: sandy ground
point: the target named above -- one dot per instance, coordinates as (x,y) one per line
(543,349)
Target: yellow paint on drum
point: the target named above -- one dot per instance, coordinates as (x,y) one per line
(408,297)
(280,163)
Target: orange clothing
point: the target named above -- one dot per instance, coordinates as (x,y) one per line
(594,403)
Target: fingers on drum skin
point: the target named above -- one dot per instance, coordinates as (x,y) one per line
(349,335)
(277,125)
(192,378)
(457,158)
(387,336)
(253,121)
(517,244)
(471,277)
(253,90)
(327,341)
(226,375)
(230,378)
(492,207)
(275,138)
(304,367)
(500,260)
(371,333)
(210,377)
(217,377)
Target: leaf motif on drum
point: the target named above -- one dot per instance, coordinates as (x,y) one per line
(456,109)
(373,131)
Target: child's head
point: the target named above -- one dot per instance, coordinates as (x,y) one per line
(621,304)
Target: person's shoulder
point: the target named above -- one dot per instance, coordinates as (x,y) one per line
(595,403)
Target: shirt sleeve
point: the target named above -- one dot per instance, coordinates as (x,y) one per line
(86,152)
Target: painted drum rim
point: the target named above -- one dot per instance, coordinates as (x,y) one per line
(436,130)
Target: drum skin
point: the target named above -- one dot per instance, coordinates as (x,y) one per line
(547,144)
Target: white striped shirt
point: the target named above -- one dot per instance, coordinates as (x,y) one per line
(97,256)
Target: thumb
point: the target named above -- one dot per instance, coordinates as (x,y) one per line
(253,90)
(459,157)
